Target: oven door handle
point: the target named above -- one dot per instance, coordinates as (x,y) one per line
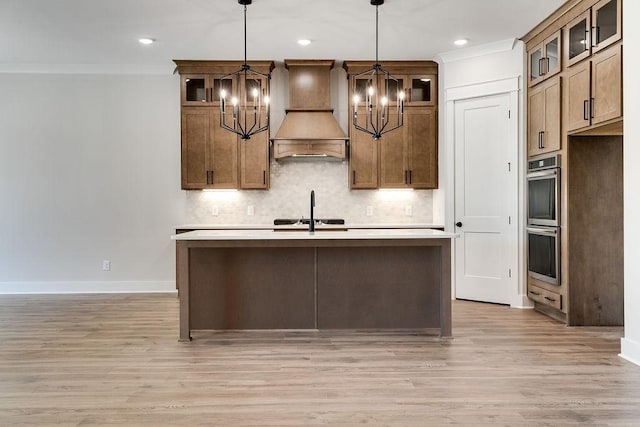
(542,231)
(543,174)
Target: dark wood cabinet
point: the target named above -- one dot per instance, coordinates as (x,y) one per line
(213,157)
(406,157)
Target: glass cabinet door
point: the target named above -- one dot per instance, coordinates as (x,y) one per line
(421,90)
(535,64)
(552,55)
(606,29)
(578,38)
(195,89)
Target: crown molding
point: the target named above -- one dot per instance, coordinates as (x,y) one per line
(475,51)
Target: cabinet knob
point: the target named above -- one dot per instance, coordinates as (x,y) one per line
(458,224)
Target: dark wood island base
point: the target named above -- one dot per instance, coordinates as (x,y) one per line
(299,280)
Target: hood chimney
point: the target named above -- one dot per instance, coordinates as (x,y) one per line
(309,128)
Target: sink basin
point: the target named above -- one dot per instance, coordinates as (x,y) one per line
(305,221)
(302,224)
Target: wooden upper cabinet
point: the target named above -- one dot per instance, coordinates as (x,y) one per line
(213,157)
(421,134)
(363,160)
(254,162)
(544,59)
(606,16)
(606,85)
(409,155)
(593,30)
(594,90)
(544,131)
(405,157)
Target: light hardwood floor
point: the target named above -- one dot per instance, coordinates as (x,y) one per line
(115,360)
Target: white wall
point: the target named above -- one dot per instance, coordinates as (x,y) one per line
(89,170)
(494,66)
(631,63)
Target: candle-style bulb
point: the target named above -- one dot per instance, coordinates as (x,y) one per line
(223,94)
(234,101)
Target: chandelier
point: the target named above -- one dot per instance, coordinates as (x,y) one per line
(248,93)
(381,94)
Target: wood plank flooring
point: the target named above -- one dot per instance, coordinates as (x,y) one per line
(114,360)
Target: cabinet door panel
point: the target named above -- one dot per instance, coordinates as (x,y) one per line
(552,116)
(536,120)
(363,160)
(254,162)
(535,64)
(195,89)
(196,134)
(224,155)
(577,91)
(607,85)
(421,133)
(578,39)
(394,170)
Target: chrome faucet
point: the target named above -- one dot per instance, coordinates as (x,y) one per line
(312,223)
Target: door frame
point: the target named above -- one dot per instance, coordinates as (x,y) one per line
(517,157)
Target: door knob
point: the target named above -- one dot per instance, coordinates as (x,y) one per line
(458,224)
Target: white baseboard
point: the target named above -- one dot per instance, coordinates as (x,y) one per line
(88,287)
(630,350)
(521,301)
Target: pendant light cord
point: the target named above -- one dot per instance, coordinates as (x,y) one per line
(376,34)
(245,35)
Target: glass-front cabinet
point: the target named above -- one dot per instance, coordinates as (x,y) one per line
(544,59)
(593,30)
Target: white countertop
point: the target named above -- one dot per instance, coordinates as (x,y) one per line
(271,226)
(350,234)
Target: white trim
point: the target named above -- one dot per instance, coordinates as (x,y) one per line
(475,51)
(87,287)
(140,69)
(512,87)
(630,350)
(476,90)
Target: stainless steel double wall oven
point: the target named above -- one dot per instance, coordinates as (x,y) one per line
(543,219)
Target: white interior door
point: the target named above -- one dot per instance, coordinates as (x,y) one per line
(483,176)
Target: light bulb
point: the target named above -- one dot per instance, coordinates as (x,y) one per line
(255,92)
(384,100)
(356,99)
(266,100)
(401,95)
(234,101)
(223,94)
(370,90)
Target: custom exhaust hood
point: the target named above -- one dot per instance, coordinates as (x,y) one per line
(309,128)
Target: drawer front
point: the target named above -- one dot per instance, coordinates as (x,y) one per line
(545,297)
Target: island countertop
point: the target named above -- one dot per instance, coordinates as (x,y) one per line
(325,234)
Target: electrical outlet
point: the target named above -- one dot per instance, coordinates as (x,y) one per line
(369,210)
(106,265)
(408,211)
(214,211)
(250,210)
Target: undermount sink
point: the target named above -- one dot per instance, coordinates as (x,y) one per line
(302,224)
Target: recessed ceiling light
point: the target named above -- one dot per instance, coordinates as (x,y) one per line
(304,42)
(460,42)
(146,40)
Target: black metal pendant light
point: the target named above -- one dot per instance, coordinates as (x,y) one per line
(381,98)
(248,92)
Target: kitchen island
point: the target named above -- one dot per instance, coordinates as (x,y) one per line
(350,279)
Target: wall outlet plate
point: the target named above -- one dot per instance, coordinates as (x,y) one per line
(408,210)
(369,210)
(106,265)
(214,211)
(250,210)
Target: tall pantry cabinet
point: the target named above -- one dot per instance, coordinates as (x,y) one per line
(574,100)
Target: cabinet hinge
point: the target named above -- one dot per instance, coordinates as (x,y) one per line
(509,113)
(509,272)
(509,219)
(509,166)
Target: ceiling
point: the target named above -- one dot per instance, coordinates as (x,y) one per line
(105,32)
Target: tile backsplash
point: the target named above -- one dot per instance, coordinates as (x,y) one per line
(291,183)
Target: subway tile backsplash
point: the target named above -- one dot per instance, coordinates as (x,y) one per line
(291,183)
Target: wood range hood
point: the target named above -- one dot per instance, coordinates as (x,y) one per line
(309,128)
